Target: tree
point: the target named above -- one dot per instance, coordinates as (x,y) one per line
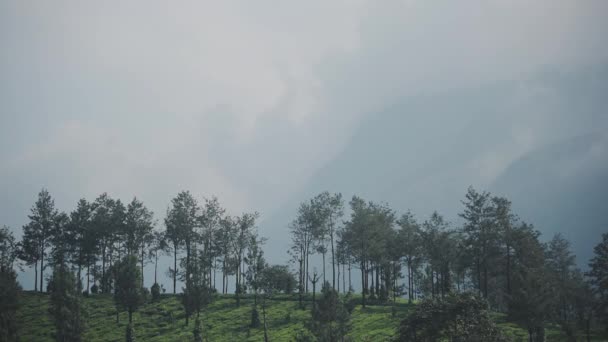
(182,218)
(439,248)
(560,264)
(327,209)
(103,232)
(479,235)
(225,243)
(505,220)
(159,245)
(29,251)
(245,224)
(129,293)
(410,239)
(66,305)
(9,250)
(455,317)
(41,221)
(197,294)
(209,223)
(531,301)
(256,264)
(79,225)
(139,231)
(278,278)
(330,317)
(598,273)
(10,290)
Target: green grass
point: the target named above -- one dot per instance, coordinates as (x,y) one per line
(222,320)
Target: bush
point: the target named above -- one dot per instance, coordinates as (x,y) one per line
(255,318)
(94,289)
(458,317)
(9,303)
(155,290)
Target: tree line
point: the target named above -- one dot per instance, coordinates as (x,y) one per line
(493,254)
(103,246)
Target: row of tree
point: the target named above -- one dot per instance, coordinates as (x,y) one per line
(492,253)
(112,243)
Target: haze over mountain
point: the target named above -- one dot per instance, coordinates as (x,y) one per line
(537,141)
(264,105)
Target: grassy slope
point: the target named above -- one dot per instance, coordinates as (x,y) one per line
(222,321)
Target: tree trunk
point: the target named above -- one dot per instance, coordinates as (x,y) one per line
(508,269)
(363,278)
(324,267)
(155,265)
(131,316)
(338,287)
(42,270)
(36,276)
(333,263)
(343,278)
(349,278)
(103,268)
(301,287)
(88,276)
(142,265)
(264,317)
(174,268)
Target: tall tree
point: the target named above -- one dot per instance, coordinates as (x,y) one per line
(159,246)
(10,290)
(598,273)
(411,242)
(182,218)
(104,233)
(480,236)
(129,293)
(245,225)
(29,251)
(66,303)
(532,299)
(561,266)
(139,231)
(80,220)
(42,217)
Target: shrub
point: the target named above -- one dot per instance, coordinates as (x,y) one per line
(255,317)
(458,317)
(155,290)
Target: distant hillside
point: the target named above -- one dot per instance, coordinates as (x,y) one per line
(422,154)
(563,188)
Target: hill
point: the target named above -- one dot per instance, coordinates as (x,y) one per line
(222,320)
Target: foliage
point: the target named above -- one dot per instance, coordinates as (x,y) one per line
(10,293)
(155,290)
(458,317)
(66,305)
(330,316)
(130,333)
(129,293)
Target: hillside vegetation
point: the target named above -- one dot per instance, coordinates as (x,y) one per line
(222,320)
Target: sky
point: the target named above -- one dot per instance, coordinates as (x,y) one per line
(247,100)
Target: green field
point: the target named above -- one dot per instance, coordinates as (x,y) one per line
(222,320)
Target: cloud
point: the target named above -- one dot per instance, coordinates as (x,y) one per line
(247,100)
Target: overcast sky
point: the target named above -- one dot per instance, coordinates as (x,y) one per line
(244,100)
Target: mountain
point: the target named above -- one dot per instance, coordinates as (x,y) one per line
(538,141)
